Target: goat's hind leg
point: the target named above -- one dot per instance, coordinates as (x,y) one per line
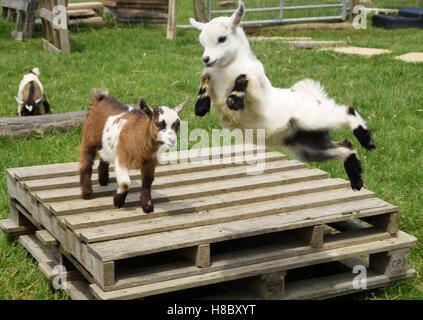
(86,161)
(235,100)
(103,173)
(316,146)
(202,105)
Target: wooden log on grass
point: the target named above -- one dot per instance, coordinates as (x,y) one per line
(22,126)
(84,5)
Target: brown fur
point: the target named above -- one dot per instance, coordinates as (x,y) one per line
(137,146)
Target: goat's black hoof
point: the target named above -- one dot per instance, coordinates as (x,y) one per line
(103,183)
(87,195)
(119,199)
(353,168)
(235,102)
(147,208)
(364,136)
(202,106)
(357,185)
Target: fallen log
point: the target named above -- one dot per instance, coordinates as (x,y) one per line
(22,126)
(84,5)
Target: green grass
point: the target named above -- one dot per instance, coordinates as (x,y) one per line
(134,62)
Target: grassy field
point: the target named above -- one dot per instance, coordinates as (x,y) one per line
(131,62)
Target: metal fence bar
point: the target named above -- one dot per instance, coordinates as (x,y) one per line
(342,5)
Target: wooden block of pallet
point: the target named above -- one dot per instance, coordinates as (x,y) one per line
(12,229)
(46,238)
(211,218)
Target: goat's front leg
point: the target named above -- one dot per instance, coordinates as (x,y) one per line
(147,173)
(123,180)
(235,101)
(202,105)
(46,104)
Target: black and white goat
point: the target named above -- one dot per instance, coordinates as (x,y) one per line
(31,95)
(235,84)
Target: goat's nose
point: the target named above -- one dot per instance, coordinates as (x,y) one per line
(206,59)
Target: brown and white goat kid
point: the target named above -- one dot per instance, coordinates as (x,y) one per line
(31,95)
(127,137)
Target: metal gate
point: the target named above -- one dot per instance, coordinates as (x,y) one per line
(260,12)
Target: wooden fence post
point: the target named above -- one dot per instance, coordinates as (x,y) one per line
(171,21)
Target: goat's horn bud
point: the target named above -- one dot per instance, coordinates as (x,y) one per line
(181,107)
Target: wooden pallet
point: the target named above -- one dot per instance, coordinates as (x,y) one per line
(212,223)
(22,12)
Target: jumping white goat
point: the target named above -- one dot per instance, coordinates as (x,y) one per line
(31,95)
(235,83)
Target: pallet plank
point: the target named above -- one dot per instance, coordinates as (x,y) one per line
(66,169)
(403,241)
(191,191)
(61,193)
(12,229)
(146,244)
(161,171)
(272,205)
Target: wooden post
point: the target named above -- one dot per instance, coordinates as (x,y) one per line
(198,255)
(171,21)
(392,263)
(199,11)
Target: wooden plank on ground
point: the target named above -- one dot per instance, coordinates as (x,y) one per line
(403,241)
(191,191)
(36,249)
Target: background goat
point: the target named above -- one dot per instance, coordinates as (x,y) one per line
(31,95)
(235,83)
(129,138)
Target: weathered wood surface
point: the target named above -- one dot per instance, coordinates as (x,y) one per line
(403,241)
(200,209)
(17,127)
(84,5)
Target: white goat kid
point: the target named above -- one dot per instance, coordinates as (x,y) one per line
(235,84)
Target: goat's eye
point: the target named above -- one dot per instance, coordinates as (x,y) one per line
(221,39)
(161,125)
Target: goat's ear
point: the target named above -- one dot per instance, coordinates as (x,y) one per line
(145,108)
(238,14)
(18,101)
(197,25)
(181,106)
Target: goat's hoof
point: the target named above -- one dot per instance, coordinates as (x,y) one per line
(364,136)
(87,195)
(202,106)
(357,185)
(119,199)
(103,182)
(235,102)
(148,208)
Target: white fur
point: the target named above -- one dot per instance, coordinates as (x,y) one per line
(110,139)
(25,80)
(167,135)
(265,106)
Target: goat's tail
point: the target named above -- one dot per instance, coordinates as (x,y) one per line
(36,71)
(311,87)
(98,94)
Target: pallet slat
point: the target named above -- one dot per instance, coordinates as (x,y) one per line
(402,241)
(140,245)
(172,214)
(185,192)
